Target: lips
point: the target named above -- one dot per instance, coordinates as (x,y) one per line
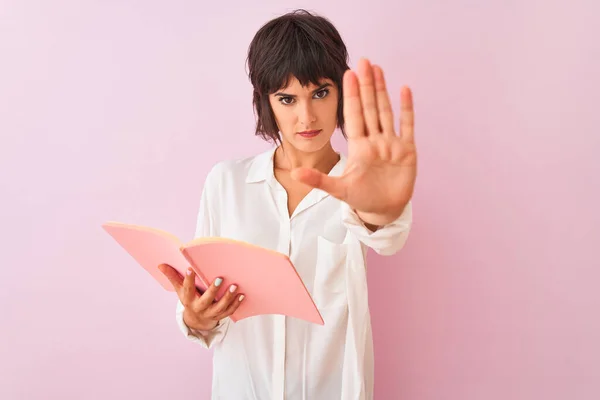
(309,134)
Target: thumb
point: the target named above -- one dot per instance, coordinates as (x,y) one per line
(333,185)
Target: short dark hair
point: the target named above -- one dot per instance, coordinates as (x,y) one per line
(299,44)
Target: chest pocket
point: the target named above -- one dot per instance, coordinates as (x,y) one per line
(329,289)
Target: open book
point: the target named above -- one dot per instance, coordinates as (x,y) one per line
(268,280)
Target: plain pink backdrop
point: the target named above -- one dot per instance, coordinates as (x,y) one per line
(115,110)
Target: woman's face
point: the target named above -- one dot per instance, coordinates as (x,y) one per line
(306,116)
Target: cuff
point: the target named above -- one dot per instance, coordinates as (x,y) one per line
(386,240)
(206,339)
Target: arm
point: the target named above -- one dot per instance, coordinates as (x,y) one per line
(205,226)
(206,338)
(378,181)
(385,240)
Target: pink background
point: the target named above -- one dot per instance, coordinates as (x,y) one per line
(116,110)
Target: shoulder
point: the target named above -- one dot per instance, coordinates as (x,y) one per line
(232,171)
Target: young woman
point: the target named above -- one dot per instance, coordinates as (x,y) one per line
(304,199)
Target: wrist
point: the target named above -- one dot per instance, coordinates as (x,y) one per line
(199,325)
(364,219)
(374,221)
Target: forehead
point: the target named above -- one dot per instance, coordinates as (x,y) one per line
(294,84)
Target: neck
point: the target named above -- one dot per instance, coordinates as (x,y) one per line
(287,158)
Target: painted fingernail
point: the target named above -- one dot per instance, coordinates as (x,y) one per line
(189,271)
(232,288)
(241,297)
(218,281)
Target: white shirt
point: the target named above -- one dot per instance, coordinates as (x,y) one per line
(277,357)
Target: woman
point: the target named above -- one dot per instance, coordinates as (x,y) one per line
(304,199)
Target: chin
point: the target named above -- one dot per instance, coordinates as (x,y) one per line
(310,146)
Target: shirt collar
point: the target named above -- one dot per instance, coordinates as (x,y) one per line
(261,167)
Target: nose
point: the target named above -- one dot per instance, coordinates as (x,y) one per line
(306,114)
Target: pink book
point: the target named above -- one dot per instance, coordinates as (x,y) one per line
(268,279)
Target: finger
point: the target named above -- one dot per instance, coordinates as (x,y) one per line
(189,288)
(208,297)
(367,96)
(397,150)
(386,115)
(234,305)
(353,116)
(219,307)
(407,115)
(173,276)
(335,186)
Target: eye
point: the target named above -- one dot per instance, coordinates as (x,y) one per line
(286,101)
(321,94)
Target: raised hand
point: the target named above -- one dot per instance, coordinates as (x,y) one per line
(381,169)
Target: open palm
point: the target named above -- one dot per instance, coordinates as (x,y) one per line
(381,170)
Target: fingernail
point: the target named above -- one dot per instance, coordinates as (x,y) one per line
(232,288)
(189,271)
(241,298)
(218,281)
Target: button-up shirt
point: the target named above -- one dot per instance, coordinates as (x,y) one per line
(277,357)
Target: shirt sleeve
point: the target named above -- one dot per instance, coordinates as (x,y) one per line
(388,239)
(205,226)
(204,338)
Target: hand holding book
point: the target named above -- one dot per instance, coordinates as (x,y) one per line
(202,312)
(268,279)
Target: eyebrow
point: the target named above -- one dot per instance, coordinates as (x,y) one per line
(323,86)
